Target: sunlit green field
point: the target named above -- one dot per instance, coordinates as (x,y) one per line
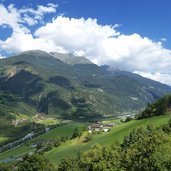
(2,139)
(66,130)
(71,149)
(48,121)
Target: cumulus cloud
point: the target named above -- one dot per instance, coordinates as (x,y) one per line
(19,42)
(78,36)
(102,44)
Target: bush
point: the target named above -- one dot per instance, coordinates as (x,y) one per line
(88,137)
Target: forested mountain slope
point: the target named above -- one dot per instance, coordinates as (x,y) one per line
(38,82)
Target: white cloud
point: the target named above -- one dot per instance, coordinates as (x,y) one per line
(38,13)
(77,36)
(10,16)
(15,18)
(19,42)
(163,78)
(163,39)
(102,44)
(134,52)
(50,8)
(2,57)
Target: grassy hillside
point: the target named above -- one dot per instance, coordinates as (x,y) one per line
(116,134)
(73,147)
(66,130)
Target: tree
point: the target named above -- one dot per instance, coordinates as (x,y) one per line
(49,147)
(57,142)
(100,159)
(141,150)
(35,162)
(88,137)
(68,165)
(75,133)
(7,167)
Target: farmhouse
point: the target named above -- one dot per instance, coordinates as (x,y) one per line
(96,127)
(19,121)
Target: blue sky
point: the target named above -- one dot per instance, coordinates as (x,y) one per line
(149,18)
(133,35)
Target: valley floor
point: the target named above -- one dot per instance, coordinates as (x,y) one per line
(71,148)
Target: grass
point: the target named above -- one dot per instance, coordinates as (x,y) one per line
(66,130)
(71,150)
(2,139)
(48,121)
(16,152)
(106,121)
(21,116)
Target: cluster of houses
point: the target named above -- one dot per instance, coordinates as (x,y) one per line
(39,117)
(100,127)
(35,118)
(18,121)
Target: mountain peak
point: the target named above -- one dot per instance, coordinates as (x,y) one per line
(34,52)
(110,68)
(70,58)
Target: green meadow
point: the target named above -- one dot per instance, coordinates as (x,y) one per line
(66,130)
(2,139)
(72,148)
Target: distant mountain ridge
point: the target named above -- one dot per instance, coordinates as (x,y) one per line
(71,87)
(117,72)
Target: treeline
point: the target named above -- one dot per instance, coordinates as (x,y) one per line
(160,107)
(144,149)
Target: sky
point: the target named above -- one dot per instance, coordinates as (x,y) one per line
(132,35)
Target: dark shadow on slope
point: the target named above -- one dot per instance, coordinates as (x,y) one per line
(21,63)
(62,82)
(24,84)
(52,102)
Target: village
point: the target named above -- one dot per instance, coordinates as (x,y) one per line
(102,126)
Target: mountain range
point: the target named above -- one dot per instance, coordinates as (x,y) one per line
(68,86)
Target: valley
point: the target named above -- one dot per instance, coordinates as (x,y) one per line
(77,145)
(85,85)
(50,105)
